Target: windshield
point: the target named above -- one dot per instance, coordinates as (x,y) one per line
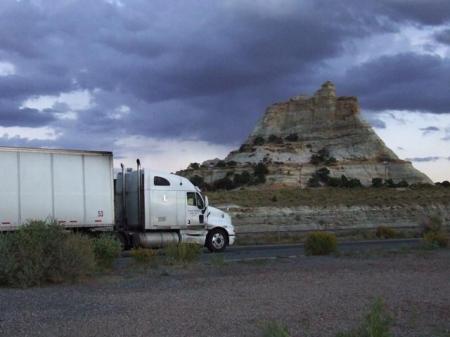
(200,201)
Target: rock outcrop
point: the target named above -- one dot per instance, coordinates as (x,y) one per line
(296,138)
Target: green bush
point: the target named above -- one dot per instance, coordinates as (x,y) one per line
(293,137)
(143,255)
(320,243)
(183,252)
(107,249)
(377,323)
(41,253)
(384,232)
(258,141)
(432,224)
(274,329)
(275,139)
(377,182)
(224,184)
(436,239)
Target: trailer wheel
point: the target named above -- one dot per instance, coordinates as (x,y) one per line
(216,240)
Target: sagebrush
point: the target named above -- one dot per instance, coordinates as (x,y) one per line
(320,243)
(377,323)
(41,252)
(183,252)
(107,249)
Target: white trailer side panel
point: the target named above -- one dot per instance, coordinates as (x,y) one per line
(9,191)
(35,186)
(69,194)
(99,190)
(75,188)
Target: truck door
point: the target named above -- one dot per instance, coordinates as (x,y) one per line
(194,207)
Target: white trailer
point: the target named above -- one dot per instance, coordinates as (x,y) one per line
(77,189)
(74,188)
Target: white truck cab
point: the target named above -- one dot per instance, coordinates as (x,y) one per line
(167,209)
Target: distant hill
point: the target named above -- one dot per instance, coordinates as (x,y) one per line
(309,141)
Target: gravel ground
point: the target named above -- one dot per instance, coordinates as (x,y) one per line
(312,296)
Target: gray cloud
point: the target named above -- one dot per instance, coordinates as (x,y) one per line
(424,159)
(443,36)
(405,81)
(192,69)
(429,129)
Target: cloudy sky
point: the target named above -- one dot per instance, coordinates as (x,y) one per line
(179,81)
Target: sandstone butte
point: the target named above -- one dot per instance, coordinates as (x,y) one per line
(296,138)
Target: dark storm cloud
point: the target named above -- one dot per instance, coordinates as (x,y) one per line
(424,159)
(443,36)
(11,115)
(434,12)
(193,69)
(429,129)
(404,82)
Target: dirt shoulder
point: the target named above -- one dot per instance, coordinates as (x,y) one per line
(312,296)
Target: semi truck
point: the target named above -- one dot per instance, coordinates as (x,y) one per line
(79,190)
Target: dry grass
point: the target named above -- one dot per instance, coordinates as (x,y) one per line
(287,197)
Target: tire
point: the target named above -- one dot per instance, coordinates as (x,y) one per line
(216,240)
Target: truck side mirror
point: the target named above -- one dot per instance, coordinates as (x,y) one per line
(206,201)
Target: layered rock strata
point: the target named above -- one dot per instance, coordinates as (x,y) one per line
(297,137)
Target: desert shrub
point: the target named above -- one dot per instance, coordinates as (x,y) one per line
(224,184)
(390,183)
(260,171)
(275,329)
(258,141)
(334,182)
(143,255)
(377,323)
(107,249)
(402,183)
(434,233)
(377,182)
(323,157)
(315,159)
(242,179)
(194,166)
(431,224)
(221,163)
(436,239)
(331,161)
(275,139)
(40,253)
(320,243)
(197,180)
(183,252)
(353,182)
(319,178)
(314,181)
(384,232)
(293,137)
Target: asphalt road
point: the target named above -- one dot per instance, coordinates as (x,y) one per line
(238,253)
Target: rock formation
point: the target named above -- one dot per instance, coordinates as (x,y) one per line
(297,138)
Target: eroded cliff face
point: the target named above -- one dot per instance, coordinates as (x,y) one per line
(297,137)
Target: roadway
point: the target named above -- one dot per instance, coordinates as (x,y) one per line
(255,252)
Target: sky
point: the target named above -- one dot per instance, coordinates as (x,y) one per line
(174,82)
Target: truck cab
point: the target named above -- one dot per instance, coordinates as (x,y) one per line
(154,209)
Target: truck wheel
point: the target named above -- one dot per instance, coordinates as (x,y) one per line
(216,240)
